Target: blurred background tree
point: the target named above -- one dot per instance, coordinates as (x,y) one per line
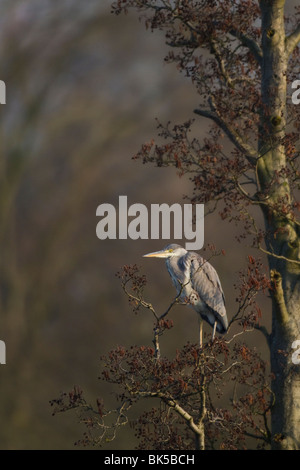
(83,88)
(81,95)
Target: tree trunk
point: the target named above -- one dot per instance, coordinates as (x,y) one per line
(282,233)
(286,374)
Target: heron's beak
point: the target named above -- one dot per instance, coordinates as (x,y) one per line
(158,254)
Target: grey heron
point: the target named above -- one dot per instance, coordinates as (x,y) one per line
(197,284)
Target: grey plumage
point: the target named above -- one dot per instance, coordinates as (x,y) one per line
(197,284)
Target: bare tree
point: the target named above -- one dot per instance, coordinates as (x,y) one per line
(189,387)
(242,57)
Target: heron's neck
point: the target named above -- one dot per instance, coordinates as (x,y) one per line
(179,268)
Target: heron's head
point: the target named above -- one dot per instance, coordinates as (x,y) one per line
(167,252)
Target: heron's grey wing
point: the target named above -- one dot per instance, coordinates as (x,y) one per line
(205,281)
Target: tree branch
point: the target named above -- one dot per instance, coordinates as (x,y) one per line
(279,296)
(219,58)
(173,404)
(264,331)
(292,40)
(270,253)
(234,137)
(192,44)
(249,43)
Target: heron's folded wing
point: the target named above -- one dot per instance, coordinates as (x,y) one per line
(205,281)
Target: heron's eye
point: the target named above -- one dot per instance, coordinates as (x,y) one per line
(170,250)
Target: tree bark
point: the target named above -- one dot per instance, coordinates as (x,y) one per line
(282,237)
(286,375)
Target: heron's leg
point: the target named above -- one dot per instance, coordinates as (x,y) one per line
(200,321)
(214,331)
